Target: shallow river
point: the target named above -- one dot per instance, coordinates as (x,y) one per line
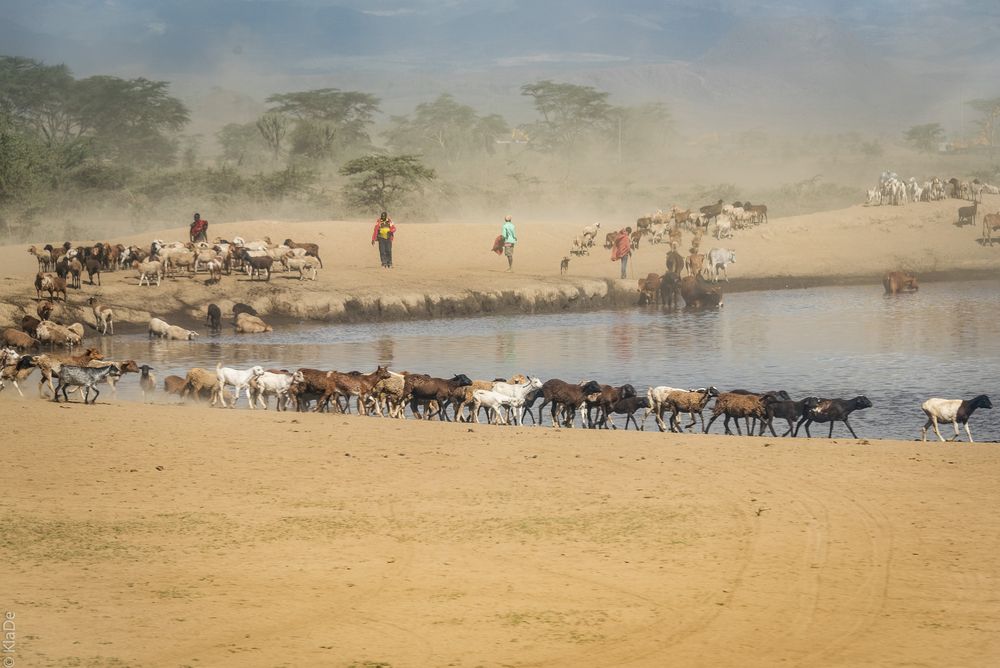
(830,342)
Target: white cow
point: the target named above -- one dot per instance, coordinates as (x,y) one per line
(719,259)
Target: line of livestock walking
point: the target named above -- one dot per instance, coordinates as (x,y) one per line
(504,401)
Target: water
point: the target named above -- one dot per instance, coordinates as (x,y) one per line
(830,342)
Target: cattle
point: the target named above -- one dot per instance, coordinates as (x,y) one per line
(895,282)
(719,259)
(699,294)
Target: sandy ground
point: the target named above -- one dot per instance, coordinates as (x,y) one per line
(448,269)
(170,536)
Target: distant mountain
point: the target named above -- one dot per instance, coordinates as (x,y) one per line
(818,65)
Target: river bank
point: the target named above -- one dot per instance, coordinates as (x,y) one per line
(447,270)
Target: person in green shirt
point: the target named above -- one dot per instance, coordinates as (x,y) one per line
(509,239)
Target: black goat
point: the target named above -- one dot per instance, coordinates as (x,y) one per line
(831,410)
(627,407)
(240,307)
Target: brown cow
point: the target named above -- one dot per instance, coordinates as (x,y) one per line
(991,223)
(695,262)
(649,289)
(895,282)
(699,293)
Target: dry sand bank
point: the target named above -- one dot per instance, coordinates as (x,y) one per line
(289,540)
(447,269)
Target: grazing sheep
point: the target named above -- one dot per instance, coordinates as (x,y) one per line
(832,410)
(104,317)
(954,411)
(251,324)
(76,328)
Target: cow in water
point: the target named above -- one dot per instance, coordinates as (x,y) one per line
(699,293)
(895,282)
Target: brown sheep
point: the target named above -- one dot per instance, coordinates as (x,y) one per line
(734,405)
(50,283)
(17,339)
(251,324)
(198,381)
(309,248)
(174,385)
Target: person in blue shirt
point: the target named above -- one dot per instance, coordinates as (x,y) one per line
(509,237)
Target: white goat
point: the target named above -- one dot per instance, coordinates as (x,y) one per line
(270,384)
(519,391)
(494,401)
(239,380)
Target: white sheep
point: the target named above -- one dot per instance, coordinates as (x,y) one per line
(175,333)
(158,327)
(304,265)
(149,268)
(953,411)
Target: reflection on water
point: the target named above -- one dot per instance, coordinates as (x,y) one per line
(836,341)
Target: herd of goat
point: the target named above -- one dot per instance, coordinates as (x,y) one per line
(503,400)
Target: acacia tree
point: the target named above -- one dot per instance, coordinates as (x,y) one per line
(383,180)
(925,137)
(569,112)
(272,128)
(990,109)
(337,119)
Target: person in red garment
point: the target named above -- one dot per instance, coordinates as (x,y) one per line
(199,229)
(622,249)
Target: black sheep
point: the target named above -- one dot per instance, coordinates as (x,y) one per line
(832,410)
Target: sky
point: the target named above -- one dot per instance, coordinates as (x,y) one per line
(813,56)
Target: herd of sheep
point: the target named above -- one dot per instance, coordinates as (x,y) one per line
(504,400)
